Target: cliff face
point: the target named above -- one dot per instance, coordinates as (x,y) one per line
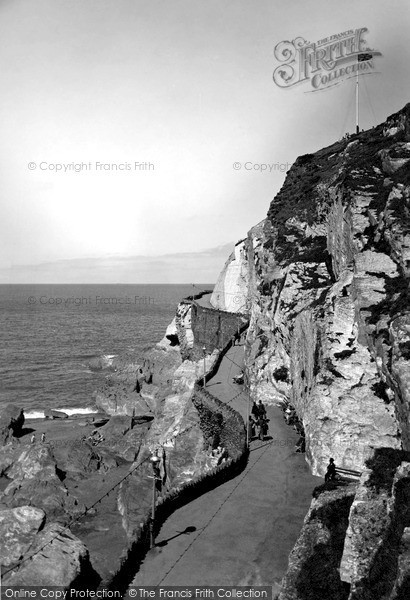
(326,277)
(231,289)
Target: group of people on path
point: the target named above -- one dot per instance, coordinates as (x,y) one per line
(33,438)
(258,422)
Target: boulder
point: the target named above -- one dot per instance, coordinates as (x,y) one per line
(11,422)
(18,527)
(36,483)
(49,494)
(50,413)
(58,414)
(8,454)
(119,399)
(116,427)
(35,460)
(77,458)
(121,441)
(101,362)
(57,558)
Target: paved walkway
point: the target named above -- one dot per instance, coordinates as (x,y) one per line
(205,301)
(241,532)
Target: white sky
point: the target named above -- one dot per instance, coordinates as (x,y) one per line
(185,85)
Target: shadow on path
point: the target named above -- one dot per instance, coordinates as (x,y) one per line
(186,531)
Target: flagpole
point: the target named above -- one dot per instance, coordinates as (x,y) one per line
(357,96)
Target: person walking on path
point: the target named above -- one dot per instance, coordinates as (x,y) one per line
(261,427)
(331,471)
(261,408)
(255,411)
(251,428)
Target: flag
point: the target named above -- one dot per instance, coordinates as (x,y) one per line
(363,57)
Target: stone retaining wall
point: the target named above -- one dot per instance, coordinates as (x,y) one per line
(233,438)
(213,328)
(230,429)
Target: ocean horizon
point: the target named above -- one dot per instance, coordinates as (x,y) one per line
(53,333)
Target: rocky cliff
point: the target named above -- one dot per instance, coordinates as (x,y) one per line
(326,277)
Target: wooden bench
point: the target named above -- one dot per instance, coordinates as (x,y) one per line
(348,473)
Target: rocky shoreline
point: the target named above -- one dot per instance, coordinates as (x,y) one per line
(88,478)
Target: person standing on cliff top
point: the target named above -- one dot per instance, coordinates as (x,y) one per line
(331,471)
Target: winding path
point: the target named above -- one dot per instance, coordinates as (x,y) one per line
(241,532)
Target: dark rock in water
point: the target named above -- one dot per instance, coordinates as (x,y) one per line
(100,363)
(11,422)
(18,527)
(50,413)
(100,422)
(59,558)
(58,414)
(125,391)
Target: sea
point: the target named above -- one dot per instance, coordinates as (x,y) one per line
(55,338)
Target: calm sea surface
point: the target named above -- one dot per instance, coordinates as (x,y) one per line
(50,333)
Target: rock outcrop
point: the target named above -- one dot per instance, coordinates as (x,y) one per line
(18,527)
(36,482)
(11,422)
(313,572)
(56,558)
(231,292)
(326,276)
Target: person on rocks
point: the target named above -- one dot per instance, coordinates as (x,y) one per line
(331,471)
(33,439)
(43,437)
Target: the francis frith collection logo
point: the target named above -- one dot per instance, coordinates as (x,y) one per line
(324,63)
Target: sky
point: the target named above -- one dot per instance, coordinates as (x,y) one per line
(121,122)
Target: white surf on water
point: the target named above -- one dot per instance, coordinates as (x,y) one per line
(39,414)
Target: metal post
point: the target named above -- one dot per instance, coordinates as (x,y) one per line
(246,386)
(154,500)
(204,349)
(154,461)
